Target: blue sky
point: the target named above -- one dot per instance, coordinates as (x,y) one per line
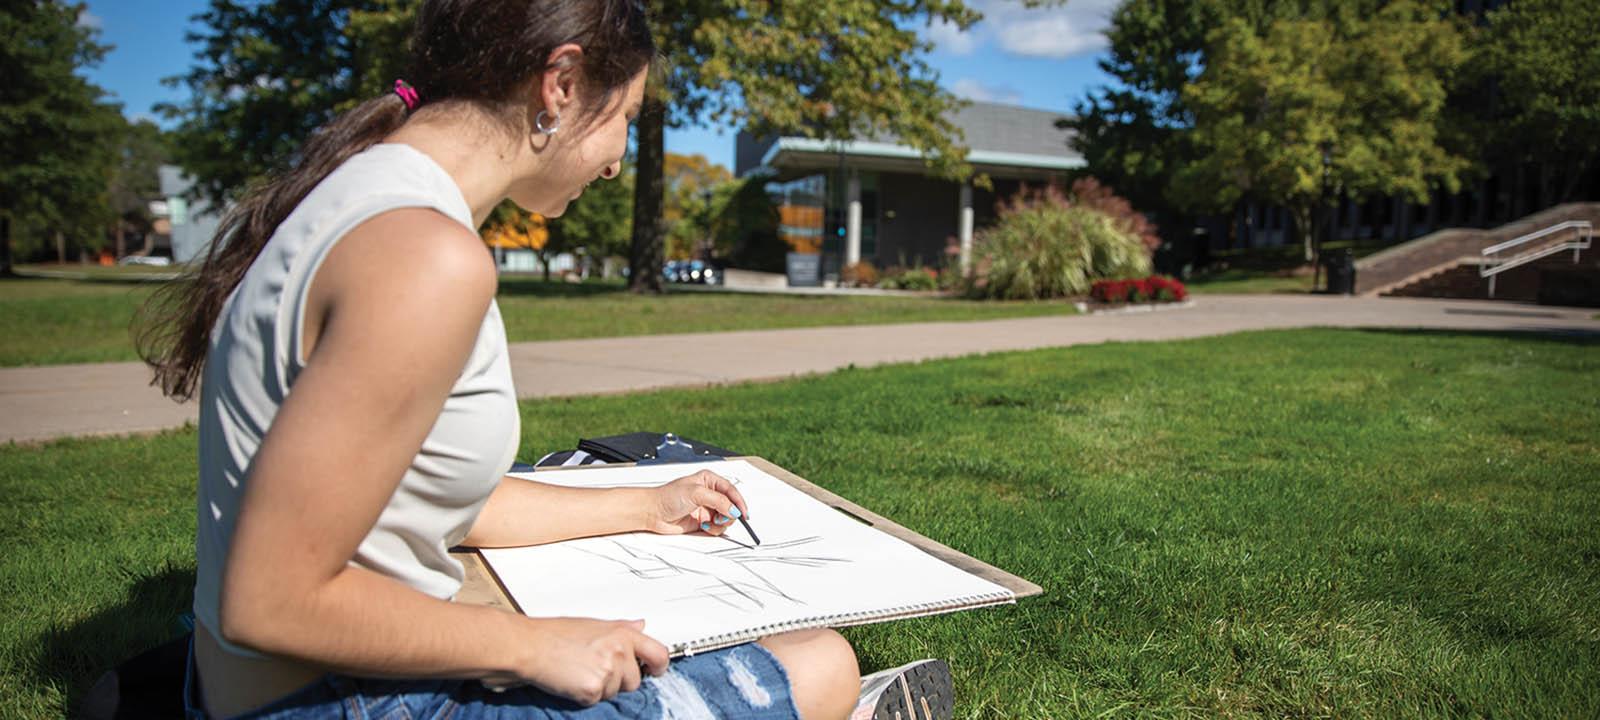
(1037,58)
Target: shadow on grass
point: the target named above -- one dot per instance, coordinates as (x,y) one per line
(538,287)
(1581,336)
(1292,255)
(24,276)
(73,657)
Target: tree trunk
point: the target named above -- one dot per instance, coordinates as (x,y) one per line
(1575,172)
(61,248)
(119,241)
(1303,214)
(5,245)
(1519,193)
(1302,223)
(644,260)
(1328,226)
(544,262)
(1544,187)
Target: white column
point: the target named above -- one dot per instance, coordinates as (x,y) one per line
(852,227)
(964,228)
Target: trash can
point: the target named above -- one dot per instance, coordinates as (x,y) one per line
(1341,267)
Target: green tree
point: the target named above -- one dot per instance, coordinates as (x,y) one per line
(599,221)
(1547,68)
(696,188)
(1303,108)
(1133,135)
(828,68)
(135,180)
(267,75)
(55,127)
(746,227)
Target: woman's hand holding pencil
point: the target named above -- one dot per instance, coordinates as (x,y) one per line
(703,502)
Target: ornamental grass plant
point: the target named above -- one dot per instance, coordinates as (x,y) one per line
(1046,245)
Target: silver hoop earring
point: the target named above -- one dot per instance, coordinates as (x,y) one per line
(538,123)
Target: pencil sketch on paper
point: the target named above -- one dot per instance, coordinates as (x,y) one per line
(727,576)
(817,568)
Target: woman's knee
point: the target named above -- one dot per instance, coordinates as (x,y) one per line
(822,669)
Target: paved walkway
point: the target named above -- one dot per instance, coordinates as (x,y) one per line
(48,402)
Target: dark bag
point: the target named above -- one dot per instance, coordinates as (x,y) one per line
(641,446)
(148,685)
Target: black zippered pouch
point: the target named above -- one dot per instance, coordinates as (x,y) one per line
(634,447)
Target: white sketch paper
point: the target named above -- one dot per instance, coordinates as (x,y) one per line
(815,567)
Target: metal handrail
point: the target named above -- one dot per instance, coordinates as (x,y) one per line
(1584,227)
(1583,238)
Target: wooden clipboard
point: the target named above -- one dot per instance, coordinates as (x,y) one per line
(480,586)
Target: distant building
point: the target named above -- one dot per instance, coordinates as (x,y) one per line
(516,249)
(874,200)
(193,223)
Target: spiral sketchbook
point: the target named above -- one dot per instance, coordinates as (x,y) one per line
(814,567)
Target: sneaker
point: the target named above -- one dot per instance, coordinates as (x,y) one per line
(918,691)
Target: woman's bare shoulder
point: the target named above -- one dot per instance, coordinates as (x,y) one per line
(419,249)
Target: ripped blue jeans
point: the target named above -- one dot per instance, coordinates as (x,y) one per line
(744,681)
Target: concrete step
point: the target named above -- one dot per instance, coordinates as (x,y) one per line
(1462,281)
(1383,272)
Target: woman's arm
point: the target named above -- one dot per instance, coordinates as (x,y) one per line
(524,512)
(394,310)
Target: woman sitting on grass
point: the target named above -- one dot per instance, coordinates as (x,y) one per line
(357,414)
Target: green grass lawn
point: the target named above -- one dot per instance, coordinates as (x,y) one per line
(46,321)
(535,310)
(1241,281)
(1279,269)
(1290,523)
(86,271)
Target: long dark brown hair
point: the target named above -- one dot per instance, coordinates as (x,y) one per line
(482,52)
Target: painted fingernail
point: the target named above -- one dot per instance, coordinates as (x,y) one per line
(735,511)
(724,519)
(705,526)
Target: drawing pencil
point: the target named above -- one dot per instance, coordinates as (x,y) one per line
(747,529)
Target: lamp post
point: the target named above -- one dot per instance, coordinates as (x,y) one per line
(1319,228)
(709,241)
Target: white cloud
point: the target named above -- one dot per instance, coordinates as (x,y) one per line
(89,20)
(1056,32)
(950,38)
(982,92)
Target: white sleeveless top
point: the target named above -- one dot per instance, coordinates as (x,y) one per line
(255,356)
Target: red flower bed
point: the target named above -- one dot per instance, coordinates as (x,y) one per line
(1156,288)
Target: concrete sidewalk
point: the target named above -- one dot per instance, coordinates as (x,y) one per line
(113,398)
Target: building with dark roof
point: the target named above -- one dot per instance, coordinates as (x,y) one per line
(874,199)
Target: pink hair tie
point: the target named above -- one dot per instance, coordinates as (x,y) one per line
(408,94)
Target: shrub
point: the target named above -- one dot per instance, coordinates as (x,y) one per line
(951,278)
(859,274)
(1088,192)
(1156,288)
(919,278)
(1044,246)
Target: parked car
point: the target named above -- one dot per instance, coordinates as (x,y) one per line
(151,260)
(691,272)
(702,272)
